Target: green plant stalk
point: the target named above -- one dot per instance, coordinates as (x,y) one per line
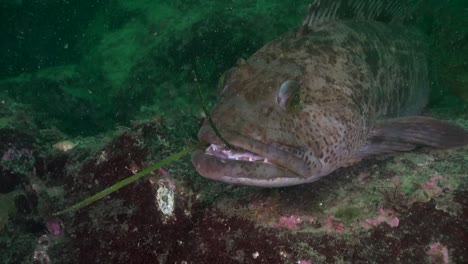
(208,116)
(131,179)
(151,168)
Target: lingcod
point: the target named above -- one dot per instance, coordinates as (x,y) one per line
(326,95)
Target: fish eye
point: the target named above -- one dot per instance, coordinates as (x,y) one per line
(222,80)
(289,98)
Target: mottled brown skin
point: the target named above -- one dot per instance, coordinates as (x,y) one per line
(351,74)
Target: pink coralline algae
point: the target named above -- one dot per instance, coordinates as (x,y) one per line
(334,225)
(433,184)
(387,216)
(55,226)
(429,186)
(291,222)
(435,187)
(438,254)
(163,172)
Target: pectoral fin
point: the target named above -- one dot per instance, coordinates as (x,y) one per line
(408,133)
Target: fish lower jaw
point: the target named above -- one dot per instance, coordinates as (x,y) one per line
(241,172)
(224,152)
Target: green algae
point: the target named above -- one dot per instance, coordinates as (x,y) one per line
(7,207)
(348,214)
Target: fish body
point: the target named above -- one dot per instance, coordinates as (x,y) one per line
(309,103)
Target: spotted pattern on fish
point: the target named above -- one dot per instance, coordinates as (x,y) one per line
(347,76)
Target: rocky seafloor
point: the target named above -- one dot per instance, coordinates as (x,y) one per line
(402,208)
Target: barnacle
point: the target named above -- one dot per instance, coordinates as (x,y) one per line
(165,199)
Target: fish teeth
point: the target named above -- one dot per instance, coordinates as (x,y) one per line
(218,150)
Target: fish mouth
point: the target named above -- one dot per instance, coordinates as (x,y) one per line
(251,163)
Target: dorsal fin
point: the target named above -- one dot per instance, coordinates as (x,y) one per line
(390,11)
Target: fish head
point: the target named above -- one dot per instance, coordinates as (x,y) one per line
(260,113)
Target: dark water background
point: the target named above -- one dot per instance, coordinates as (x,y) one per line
(86,66)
